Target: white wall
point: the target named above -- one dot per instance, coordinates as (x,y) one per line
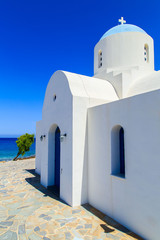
(125,49)
(133,201)
(86,92)
(57,113)
(80,156)
(74,94)
(148,83)
(123,59)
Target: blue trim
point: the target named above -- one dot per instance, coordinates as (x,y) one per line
(122,28)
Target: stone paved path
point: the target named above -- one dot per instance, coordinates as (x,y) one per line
(29,211)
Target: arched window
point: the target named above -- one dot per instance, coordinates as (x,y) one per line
(99,59)
(117,152)
(121,151)
(146,53)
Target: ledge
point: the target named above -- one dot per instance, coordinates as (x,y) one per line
(119,176)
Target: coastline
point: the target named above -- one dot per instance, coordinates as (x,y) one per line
(19,159)
(9,149)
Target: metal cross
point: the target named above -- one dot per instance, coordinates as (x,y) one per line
(122,21)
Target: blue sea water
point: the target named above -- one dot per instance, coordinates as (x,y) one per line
(8,149)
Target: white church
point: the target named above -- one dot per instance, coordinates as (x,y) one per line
(99,138)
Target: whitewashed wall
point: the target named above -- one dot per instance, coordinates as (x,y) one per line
(133,201)
(121,50)
(57,113)
(123,59)
(74,94)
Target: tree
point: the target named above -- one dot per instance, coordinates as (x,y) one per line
(23,143)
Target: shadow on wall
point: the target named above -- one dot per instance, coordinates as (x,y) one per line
(35,182)
(84,189)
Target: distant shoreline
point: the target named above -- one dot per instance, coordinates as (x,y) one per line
(18,159)
(9,149)
(24,158)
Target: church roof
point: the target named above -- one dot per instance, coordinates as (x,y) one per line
(122,28)
(149,83)
(97,91)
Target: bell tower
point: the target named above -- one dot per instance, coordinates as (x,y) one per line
(123,54)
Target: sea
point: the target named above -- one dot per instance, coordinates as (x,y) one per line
(9,149)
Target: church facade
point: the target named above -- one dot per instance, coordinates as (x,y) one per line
(99,137)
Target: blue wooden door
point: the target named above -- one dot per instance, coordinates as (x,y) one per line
(57,157)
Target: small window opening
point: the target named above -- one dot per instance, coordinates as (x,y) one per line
(121,151)
(117,152)
(54,97)
(146,53)
(99,59)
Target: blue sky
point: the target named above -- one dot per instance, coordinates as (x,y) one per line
(39,37)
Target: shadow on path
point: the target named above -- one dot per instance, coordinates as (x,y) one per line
(51,191)
(110,222)
(110,226)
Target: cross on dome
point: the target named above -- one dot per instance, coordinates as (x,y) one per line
(122,21)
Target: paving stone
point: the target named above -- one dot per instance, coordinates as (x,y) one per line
(47,218)
(21,229)
(3,191)
(76,211)
(82,231)
(3,227)
(7,223)
(22,237)
(29,231)
(42,233)
(23,207)
(13,211)
(31,211)
(9,235)
(111,236)
(88,225)
(51,212)
(37,229)
(87,238)
(76,238)
(68,235)
(21,194)
(2,208)
(43,226)
(68,220)
(34,236)
(59,236)
(10,217)
(62,224)
(43,215)
(79,227)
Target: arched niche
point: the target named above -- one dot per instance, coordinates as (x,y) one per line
(54,158)
(117,151)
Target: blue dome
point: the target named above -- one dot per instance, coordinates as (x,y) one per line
(122,28)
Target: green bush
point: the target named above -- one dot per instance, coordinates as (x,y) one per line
(24,143)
